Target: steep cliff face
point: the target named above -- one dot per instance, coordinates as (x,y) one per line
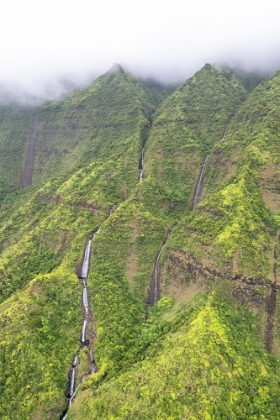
(43,231)
(57,138)
(234,234)
(182,297)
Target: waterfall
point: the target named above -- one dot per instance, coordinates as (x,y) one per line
(198,189)
(112,209)
(155,278)
(85,266)
(72,383)
(141,165)
(83,336)
(153,295)
(84,342)
(85,300)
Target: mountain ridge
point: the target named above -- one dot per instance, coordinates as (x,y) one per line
(134,173)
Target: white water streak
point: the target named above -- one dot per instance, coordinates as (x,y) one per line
(156,277)
(199,184)
(84,331)
(85,266)
(85,300)
(72,383)
(71,399)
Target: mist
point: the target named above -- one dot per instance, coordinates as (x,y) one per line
(51,48)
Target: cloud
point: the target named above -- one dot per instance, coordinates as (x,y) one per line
(43,42)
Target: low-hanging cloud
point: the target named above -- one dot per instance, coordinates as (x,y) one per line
(48,48)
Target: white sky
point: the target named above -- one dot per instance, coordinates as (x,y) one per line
(170,40)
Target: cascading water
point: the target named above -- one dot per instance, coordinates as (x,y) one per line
(72,383)
(112,209)
(153,295)
(155,279)
(85,266)
(84,341)
(83,336)
(198,189)
(85,300)
(141,165)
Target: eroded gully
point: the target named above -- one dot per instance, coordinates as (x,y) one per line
(199,185)
(271,305)
(154,291)
(28,172)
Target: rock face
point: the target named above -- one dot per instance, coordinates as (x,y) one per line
(27,175)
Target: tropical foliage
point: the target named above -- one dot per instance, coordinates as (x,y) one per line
(199,351)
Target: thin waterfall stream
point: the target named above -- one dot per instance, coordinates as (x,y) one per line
(141,164)
(154,292)
(199,185)
(72,390)
(155,276)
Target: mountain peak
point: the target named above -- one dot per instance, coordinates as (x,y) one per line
(116,68)
(208,66)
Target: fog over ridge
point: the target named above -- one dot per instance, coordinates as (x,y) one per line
(50,48)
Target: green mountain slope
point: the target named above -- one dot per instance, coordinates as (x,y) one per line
(207,366)
(43,230)
(74,131)
(234,233)
(126,249)
(199,351)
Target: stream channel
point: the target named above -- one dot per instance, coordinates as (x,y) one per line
(141,164)
(154,292)
(199,185)
(71,387)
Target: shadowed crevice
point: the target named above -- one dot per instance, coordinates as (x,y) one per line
(27,175)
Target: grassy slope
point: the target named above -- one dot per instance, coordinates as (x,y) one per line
(235,226)
(205,365)
(15,125)
(119,341)
(48,218)
(76,130)
(125,251)
(234,233)
(166,366)
(43,229)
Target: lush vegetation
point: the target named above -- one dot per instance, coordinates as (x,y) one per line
(206,365)
(198,352)
(40,332)
(237,221)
